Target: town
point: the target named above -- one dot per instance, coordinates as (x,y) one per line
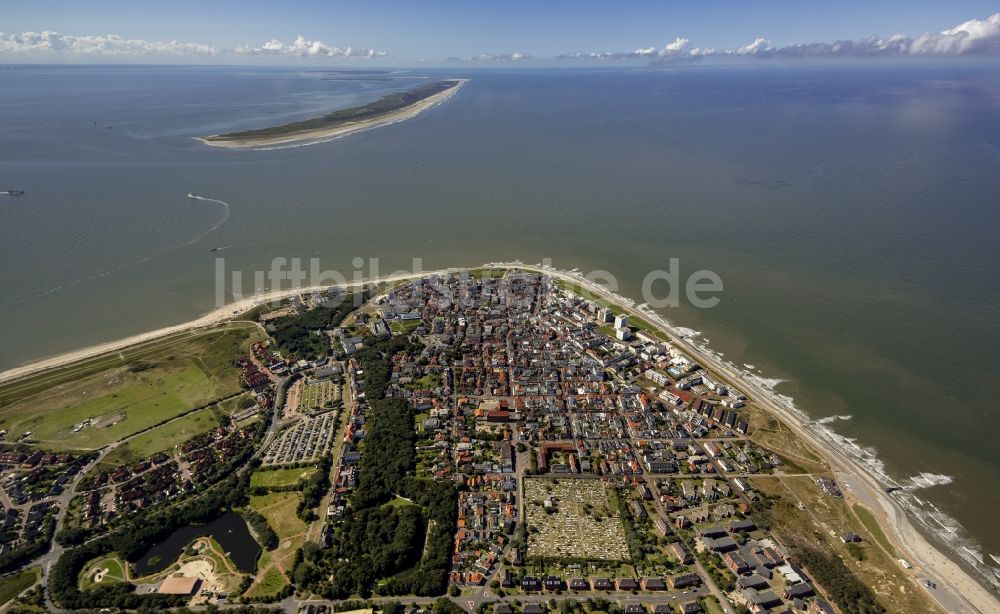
(493,436)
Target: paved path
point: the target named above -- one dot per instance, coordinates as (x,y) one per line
(926,559)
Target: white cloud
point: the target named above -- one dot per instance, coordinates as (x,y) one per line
(974,37)
(307,49)
(680,45)
(678,50)
(758,46)
(53,42)
(515,56)
(112,44)
(593,55)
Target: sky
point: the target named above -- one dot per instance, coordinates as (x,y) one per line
(539,31)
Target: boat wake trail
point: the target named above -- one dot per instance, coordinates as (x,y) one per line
(226,210)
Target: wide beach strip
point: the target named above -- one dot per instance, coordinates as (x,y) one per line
(386,110)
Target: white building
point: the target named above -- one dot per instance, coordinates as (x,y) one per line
(656,377)
(621,321)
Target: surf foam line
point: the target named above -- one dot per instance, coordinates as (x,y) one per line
(943,528)
(227,208)
(830,419)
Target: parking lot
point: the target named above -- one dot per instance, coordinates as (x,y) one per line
(306,440)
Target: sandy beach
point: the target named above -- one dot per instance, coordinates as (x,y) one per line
(963,590)
(957,589)
(323,134)
(212,318)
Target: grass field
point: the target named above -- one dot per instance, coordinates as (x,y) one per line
(771,433)
(248,421)
(225,570)
(279,509)
(802,514)
(127,392)
(269,583)
(873,527)
(285,552)
(397,501)
(404,327)
(13,585)
(163,438)
(115,572)
(710,605)
(274,478)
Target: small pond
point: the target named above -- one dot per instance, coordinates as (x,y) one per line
(229,530)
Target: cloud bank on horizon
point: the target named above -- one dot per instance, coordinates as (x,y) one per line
(114,45)
(974,37)
(515,56)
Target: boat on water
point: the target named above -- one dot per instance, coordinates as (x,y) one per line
(193,195)
(13,192)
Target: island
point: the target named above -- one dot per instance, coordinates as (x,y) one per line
(388,109)
(511,438)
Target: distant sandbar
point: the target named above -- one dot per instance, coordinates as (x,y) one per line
(389,109)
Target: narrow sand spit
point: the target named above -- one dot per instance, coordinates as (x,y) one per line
(325,134)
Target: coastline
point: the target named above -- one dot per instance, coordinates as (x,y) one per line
(212,318)
(911,541)
(859,482)
(324,134)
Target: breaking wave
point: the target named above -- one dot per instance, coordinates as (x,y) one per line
(927,480)
(830,419)
(687,333)
(945,529)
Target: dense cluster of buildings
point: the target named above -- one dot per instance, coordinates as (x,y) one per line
(20,527)
(35,475)
(520,376)
(115,491)
(33,485)
(487,517)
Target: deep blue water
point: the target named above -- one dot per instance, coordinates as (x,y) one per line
(852,213)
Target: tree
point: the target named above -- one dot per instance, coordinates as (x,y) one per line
(446,606)
(303,573)
(392,607)
(377,542)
